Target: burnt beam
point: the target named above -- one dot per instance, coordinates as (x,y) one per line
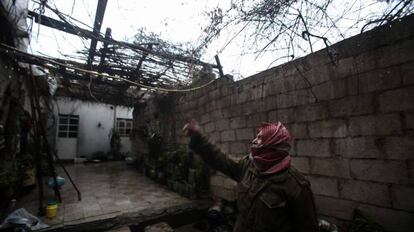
(100,12)
(59,25)
(105,46)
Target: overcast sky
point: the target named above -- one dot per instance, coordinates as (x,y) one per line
(175,20)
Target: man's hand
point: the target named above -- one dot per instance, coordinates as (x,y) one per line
(192,128)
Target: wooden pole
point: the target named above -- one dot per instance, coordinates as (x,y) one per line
(219,67)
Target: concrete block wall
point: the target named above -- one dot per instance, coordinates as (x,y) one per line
(351,117)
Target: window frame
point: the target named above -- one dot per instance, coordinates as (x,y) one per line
(126,129)
(68,125)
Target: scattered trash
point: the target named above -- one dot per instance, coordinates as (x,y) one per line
(51,209)
(221,216)
(20,218)
(326,226)
(130,160)
(60,181)
(159,227)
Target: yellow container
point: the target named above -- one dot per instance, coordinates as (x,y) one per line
(51,211)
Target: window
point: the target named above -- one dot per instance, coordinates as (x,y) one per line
(68,126)
(124,127)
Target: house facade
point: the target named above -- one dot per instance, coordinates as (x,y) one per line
(84,128)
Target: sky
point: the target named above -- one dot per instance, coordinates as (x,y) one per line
(175,20)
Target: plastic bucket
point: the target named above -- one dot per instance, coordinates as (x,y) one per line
(51,210)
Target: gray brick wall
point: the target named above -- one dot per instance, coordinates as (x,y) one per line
(352,123)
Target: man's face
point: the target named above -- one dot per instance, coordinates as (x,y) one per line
(257,142)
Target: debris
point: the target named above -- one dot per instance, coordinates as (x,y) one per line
(22,218)
(326,226)
(51,210)
(159,227)
(60,181)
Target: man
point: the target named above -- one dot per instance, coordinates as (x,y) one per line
(271,194)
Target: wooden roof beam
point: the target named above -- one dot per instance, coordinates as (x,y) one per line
(100,12)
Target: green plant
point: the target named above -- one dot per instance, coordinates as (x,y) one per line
(9,175)
(361,223)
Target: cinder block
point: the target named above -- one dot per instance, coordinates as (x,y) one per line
(293,150)
(282,115)
(391,220)
(403,197)
(202,100)
(379,171)
(214,137)
(407,72)
(367,192)
(222,124)
(330,90)
(214,94)
(352,84)
(298,130)
(360,147)
(234,111)
(245,134)
(255,120)
(399,147)
(411,171)
(409,120)
(398,53)
(254,107)
(294,98)
(326,186)
(335,128)
(204,119)
(345,68)
(224,147)
(352,105)
(301,164)
(366,61)
(330,167)
(224,102)
(298,81)
(257,93)
(334,207)
(238,122)
(228,135)
(318,74)
(313,147)
(271,103)
(382,124)
(311,112)
(238,148)
(379,79)
(209,127)
(397,100)
(216,115)
(211,106)
(273,87)
(243,97)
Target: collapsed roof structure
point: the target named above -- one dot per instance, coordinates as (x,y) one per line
(125,70)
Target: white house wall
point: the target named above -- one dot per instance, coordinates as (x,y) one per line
(96,121)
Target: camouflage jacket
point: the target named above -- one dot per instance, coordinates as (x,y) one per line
(277,202)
